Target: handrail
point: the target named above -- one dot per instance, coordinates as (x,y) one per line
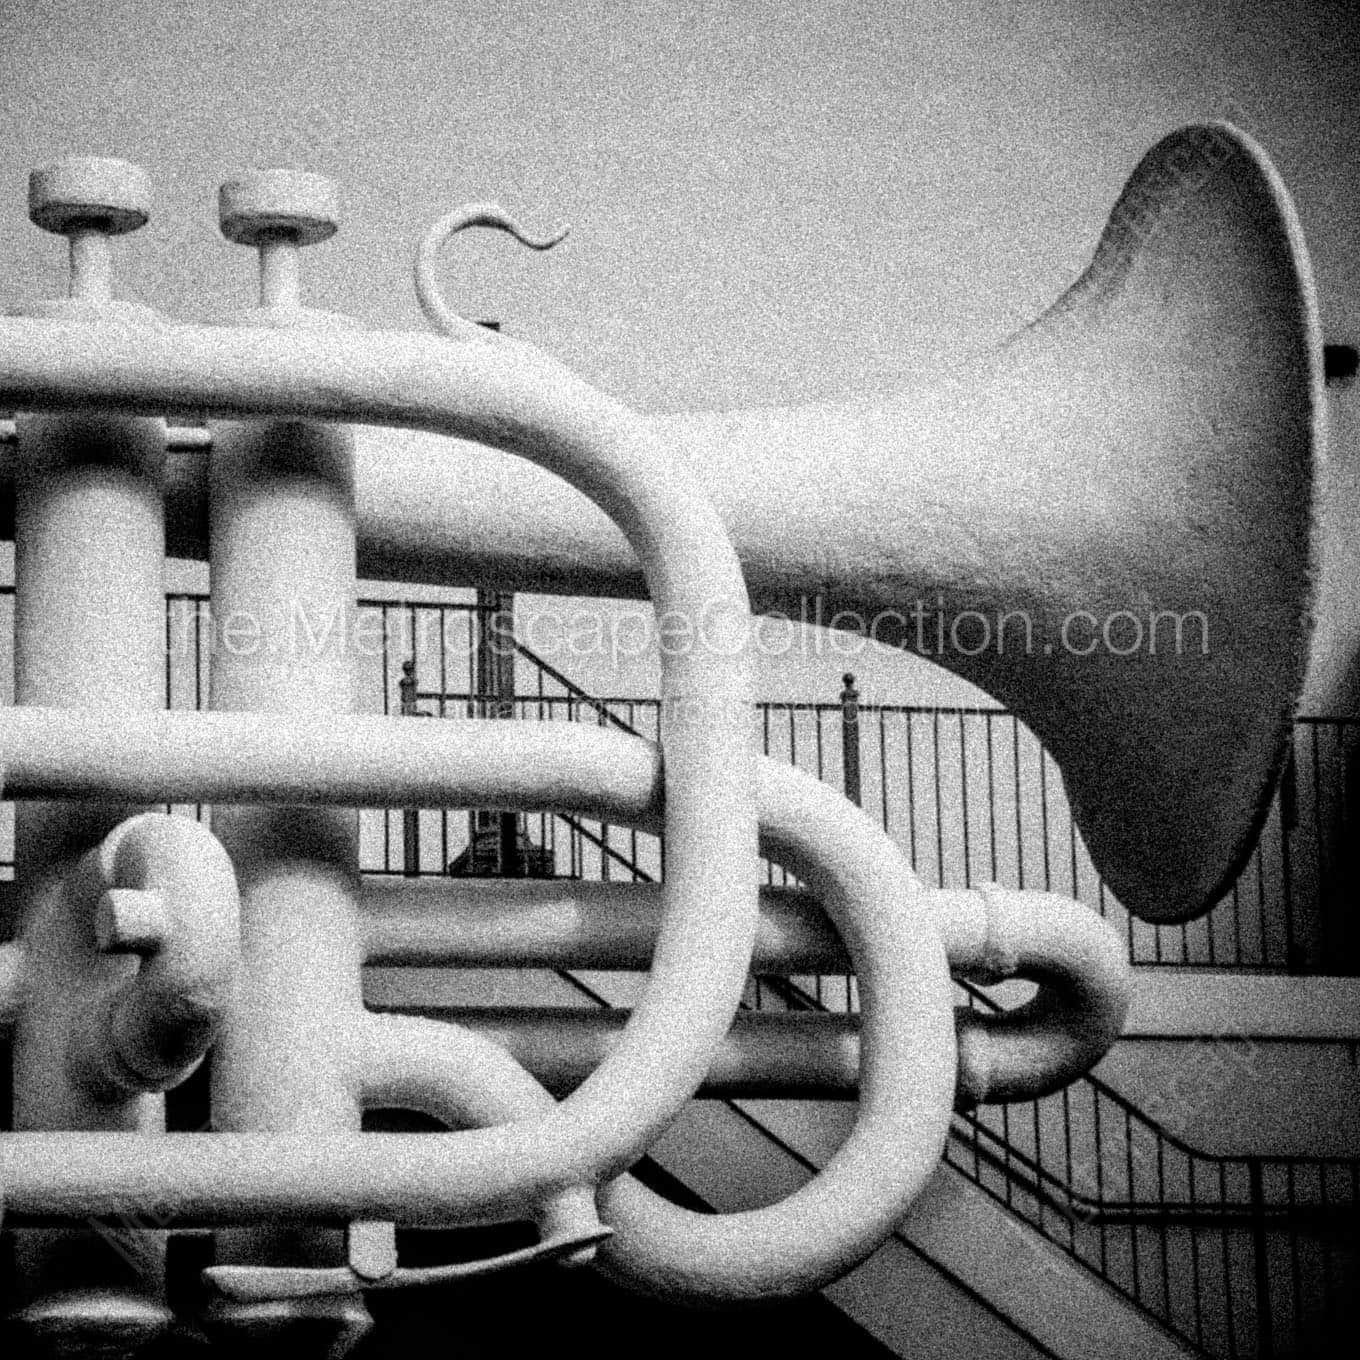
(1251,1220)
(1120,1212)
(573,689)
(640,874)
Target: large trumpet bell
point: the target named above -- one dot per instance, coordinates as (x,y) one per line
(1150,446)
(1137,464)
(1122,496)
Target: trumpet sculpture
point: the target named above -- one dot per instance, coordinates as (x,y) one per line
(1144,449)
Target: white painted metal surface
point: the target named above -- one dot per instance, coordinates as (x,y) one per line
(143,941)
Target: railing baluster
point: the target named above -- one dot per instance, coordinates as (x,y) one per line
(1230,1309)
(939,814)
(1043,807)
(1019,820)
(1261,1260)
(1195,1291)
(883,778)
(991,796)
(963,803)
(1132,1197)
(1161,1199)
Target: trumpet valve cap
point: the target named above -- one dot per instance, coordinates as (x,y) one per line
(89,193)
(278,205)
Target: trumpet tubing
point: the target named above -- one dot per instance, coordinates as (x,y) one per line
(1145,448)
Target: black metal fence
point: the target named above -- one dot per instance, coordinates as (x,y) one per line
(1252,1257)
(971,796)
(1240,1256)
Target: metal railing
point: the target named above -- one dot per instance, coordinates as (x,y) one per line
(968,793)
(1236,1256)
(971,796)
(1247,1258)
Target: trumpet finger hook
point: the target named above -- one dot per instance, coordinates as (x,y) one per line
(432,303)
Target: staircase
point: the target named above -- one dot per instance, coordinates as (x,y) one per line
(1060,1216)
(959,1277)
(1227,1256)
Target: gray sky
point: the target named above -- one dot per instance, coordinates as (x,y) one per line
(768,201)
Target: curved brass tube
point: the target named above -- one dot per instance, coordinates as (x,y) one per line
(160,887)
(524,402)
(889,924)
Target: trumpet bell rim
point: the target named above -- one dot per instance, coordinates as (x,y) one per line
(1205,254)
